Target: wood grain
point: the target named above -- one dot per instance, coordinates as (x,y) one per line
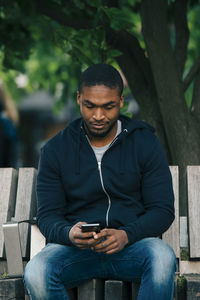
(92,289)
(116,290)
(8,181)
(193,183)
(38,241)
(172,235)
(25,205)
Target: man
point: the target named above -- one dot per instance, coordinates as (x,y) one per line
(103,168)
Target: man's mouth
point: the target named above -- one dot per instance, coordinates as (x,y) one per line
(98,125)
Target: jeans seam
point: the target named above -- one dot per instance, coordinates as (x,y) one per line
(75,262)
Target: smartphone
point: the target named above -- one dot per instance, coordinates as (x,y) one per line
(90,227)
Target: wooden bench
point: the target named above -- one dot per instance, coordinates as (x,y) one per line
(18,202)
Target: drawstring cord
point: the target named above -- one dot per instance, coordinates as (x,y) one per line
(77,166)
(122,153)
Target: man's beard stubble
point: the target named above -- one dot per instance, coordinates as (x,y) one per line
(96,133)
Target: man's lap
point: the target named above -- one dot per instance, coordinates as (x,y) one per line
(73,265)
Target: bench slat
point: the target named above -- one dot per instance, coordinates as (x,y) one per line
(189,267)
(193,183)
(92,289)
(13,248)
(38,241)
(25,204)
(8,181)
(135,289)
(116,290)
(172,235)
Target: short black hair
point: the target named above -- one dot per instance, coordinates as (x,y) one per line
(101,74)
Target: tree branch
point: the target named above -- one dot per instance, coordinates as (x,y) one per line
(182,34)
(191,74)
(128,43)
(55,12)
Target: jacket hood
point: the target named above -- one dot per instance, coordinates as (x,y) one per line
(132,125)
(128,127)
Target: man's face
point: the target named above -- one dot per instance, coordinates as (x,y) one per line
(100,108)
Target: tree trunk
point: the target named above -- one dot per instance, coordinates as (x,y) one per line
(146,99)
(137,71)
(181,130)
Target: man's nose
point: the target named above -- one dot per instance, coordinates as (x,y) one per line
(98,114)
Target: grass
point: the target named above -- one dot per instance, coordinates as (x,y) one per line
(4,275)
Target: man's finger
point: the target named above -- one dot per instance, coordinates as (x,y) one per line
(105,246)
(88,242)
(114,250)
(83,235)
(101,234)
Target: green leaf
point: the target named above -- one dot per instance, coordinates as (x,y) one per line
(114,53)
(94,3)
(79,4)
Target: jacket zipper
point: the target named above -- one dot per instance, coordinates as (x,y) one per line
(102,183)
(103,187)
(101,177)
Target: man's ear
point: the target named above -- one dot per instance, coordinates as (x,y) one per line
(78,97)
(122,101)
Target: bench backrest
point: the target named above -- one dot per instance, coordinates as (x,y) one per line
(193,185)
(17,202)
(8,184)
(17,199)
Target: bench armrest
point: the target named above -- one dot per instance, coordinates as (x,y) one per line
(13,246)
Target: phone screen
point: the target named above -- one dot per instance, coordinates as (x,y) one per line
(90,227)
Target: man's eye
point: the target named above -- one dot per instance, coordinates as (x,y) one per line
(109,107)
(89,105)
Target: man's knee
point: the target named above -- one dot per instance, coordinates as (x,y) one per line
(34,274)
(162,260)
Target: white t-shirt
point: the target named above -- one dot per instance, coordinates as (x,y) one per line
(99,151)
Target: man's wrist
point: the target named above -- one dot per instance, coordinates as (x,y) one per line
(126,241)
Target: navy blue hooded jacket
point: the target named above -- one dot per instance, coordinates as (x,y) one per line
(130,190)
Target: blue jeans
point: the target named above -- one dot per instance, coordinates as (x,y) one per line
(150,260)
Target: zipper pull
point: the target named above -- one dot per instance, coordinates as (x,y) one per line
(99,165)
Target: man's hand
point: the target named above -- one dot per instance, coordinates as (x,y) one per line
(83,240)
(113,240)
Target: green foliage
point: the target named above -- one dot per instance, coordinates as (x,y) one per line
(15,38)
(56,49)
(48,68)
(124,111)
(184,254)
(194,41)
(120,18)
(4,275)
(85,46)
(94,3)
(193,46)
(79,4)
(181,281)
(53,54)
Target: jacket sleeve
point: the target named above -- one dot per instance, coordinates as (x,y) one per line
(156,194)
(51,200)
